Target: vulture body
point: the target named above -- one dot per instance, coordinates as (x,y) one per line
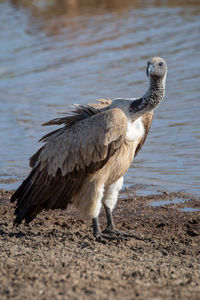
(83,162)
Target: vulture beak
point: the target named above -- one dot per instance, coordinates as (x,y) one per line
(150,69)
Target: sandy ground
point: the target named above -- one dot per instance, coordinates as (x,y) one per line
(56,257)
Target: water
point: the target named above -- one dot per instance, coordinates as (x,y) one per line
(167,202)
(189,209)
(56,53)
(175,200)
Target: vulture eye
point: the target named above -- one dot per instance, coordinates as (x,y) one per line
(160,64)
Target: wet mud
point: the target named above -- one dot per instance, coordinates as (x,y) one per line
(56,256)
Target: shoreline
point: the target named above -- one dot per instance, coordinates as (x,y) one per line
(10,183)
(56,256)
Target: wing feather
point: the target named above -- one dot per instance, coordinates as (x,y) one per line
(82,142)
(62,164)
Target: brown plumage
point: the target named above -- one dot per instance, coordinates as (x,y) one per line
(83,162)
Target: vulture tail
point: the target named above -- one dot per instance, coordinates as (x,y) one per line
(41,191)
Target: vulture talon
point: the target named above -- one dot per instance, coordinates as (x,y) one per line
(121,233)
(105,237)
(116,232)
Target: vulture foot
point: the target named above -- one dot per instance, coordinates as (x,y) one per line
(121,234)
(102,238)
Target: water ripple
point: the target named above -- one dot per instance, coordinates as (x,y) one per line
(52,57)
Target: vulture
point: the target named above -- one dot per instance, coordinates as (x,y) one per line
(83,162)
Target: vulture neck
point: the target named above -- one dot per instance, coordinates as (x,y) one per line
(155,93)
(151,99)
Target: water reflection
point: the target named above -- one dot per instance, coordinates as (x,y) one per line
(54,53)
(59,12)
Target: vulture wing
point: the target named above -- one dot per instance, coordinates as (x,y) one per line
(69,154)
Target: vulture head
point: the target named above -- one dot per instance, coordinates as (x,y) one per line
(156,68)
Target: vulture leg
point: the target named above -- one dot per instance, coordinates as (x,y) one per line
(109,201)
(113,232)
(110,229)
(110,224)
(98,234)
(96,227)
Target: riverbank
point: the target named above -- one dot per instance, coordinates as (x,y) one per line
(56,257)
